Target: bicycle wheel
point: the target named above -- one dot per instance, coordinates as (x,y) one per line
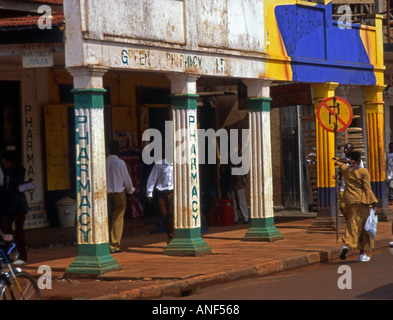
(23,287)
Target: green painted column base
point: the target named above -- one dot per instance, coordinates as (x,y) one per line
(262,229)
(187,242)
(93,259)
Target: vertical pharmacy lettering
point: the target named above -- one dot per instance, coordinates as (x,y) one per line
(194,169)
(29,146)
(83,177)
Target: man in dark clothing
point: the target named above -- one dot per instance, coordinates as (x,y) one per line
(14,204)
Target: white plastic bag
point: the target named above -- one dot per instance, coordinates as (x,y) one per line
(371,224)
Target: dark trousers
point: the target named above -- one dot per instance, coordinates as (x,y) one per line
(19,233)
(165,203)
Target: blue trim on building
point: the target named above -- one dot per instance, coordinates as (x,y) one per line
(327,200)
(319,50)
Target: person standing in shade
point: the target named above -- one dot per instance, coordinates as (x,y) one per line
(118,182)
(237,192)
(14,204)
(1,192)
(389,172)
(161,178)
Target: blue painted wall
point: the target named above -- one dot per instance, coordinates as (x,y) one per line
(319,50)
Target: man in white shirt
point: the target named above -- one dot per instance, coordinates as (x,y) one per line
(161,178)
(118,182)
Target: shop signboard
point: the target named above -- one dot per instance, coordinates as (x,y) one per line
(37,55)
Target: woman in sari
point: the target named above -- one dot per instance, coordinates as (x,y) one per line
(358,198)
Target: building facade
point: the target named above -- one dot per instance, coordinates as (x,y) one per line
(113,70)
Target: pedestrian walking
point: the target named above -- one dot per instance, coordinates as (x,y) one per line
(161,179)
(118,182)
(358,198)
(14,204)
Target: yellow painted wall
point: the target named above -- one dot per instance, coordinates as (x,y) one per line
(278,65)
(123,97)
(57,148)
(372,38)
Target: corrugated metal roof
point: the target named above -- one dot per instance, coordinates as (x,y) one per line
(57,18)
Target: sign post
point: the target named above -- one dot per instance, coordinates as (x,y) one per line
(335,114)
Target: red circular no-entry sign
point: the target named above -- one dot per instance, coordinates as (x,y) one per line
(334,114)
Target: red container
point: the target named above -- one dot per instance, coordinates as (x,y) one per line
(215,220)
(222,206)
(228,219)
(222,213)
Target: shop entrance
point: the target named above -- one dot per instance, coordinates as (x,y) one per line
(10,128)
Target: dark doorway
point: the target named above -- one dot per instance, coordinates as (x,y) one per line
(291,190)
(157,118)
(10,128)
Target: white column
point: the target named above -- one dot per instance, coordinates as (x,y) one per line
(92,218)
(261,185)
(187,215)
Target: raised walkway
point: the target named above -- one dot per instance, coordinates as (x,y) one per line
(148,274)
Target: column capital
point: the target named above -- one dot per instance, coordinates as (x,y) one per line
(183,83)
(184,101)
(259,104)
(88,98)
(87,76)
(373,94)
(323,90)
(258,87)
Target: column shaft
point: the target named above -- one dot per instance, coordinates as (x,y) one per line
(92,219)
(325,150)
(376,148)
(187,216)
(261,186)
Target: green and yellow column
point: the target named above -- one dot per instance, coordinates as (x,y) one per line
(325,150)
(187,239)
(376,148)
(92,219)
(262,226)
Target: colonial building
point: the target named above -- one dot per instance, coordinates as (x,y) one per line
(82,73)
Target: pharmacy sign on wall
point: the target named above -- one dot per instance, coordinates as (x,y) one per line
(334,114)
